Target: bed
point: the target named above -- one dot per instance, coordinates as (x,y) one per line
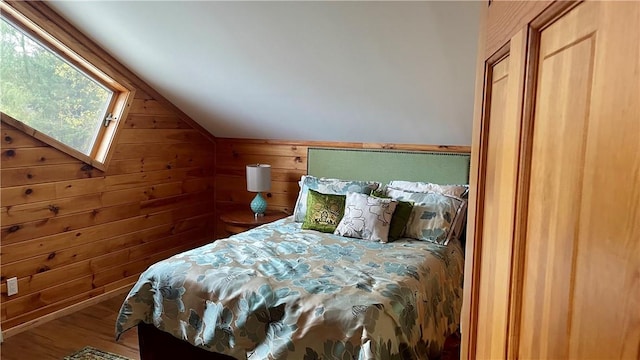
(280,291)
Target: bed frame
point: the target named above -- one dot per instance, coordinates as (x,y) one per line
(353,164)
(159,345)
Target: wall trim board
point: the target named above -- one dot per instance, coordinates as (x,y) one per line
(357,145)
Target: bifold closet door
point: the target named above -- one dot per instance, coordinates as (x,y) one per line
(581,278)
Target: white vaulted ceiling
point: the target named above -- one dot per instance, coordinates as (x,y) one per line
(400,72)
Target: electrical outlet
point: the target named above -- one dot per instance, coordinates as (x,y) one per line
(12,286)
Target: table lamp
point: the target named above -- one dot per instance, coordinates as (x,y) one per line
(258,180)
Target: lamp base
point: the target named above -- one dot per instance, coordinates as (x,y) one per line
(259,205)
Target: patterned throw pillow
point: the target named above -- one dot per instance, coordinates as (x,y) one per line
(328,186)
(400,217)
(459,191)
(433,215)
(366,217)
(324,211)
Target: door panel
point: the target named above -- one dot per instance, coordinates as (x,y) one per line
(605,316)
(556,186)
(580,298)
(497,215)
(491,333)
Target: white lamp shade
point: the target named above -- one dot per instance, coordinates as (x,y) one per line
(258,177)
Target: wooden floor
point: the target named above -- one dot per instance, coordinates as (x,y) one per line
(93,326)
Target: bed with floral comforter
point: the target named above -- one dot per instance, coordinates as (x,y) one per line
(279,292)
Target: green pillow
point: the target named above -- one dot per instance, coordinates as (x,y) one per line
(400,216)
(324,211)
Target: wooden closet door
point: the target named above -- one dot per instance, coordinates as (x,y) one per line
(494,223)
(581,279)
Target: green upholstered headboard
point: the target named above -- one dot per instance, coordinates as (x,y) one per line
(386,165)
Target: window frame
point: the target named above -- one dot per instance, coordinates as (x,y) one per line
(57,38)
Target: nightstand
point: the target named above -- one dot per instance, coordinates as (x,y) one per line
(237,221)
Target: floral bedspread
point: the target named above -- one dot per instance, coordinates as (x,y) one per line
(279,292)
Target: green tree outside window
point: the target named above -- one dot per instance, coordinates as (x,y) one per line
(44,91)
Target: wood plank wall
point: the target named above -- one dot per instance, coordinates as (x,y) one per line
(288,160)
(71,233)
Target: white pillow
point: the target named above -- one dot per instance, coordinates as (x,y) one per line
(434,216)
(366,217)
(459,191)
(327,186)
